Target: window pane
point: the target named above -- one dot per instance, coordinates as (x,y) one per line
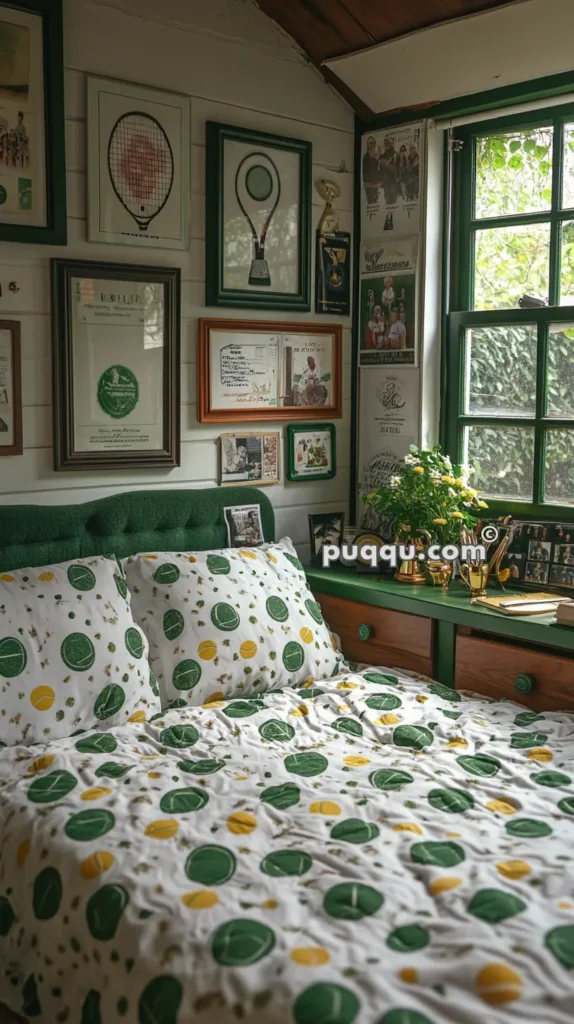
(559,475)
(560,400)
(503,460)
(510,263)
(501,371)
(567,264)
(568,179)
(514,173)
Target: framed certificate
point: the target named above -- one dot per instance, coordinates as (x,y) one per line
(264,370)
(10,389)
(116,343)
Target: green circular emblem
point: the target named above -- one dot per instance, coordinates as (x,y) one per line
(13,657)
(210,865)
(78,652)
(240,943)
(118,392)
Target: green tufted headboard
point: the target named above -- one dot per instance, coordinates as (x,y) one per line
(161,520)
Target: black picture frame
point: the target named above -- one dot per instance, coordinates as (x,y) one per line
(324,520)
(65,457)
(215,291)
(55,230)
(320,428)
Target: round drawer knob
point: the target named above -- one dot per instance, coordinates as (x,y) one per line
(364,631)
(524,682)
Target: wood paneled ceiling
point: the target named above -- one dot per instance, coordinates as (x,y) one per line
(331,28)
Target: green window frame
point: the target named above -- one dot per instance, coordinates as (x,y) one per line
(461,316)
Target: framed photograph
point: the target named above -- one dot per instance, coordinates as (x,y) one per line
(541,553)
(244,526)
(10,389)
(116,343)
(32,145)
(138,165)
(259,370)
(311,451)
(249,458)
(388,296)
(258,197)
(325,528)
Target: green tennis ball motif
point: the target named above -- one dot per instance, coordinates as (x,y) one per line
(326,1003)
(134,642)
(210,865)
(294,562)
(310,693)
(224,617)
(479,764)
(560,942)
(354,830)
(218,565)
(91,1008)
(30,1003)
(166,573)
(179,736)
(453,801)
(314,610)
(527,718)
(529,828)
(277,609)
(404,1016)
(282,797)
(173,624)
(104,911)
(380,679)
(81,578)
(87,825)
(240,943)
(99,743)
(78,652)
(47,894)
(13,657)
(182,801)
(7,916)
(275,729)
(121,585)
(293,656)
(389,778)
(567,805)
(383,702)
(160,1001)
(552,779)
(186,674)
(440,854)
(286,862)
(414,736)
(54,786)
(306,765)
(109,701)
(446,692)
(494,905)
(153,684)
(243,708)
(348,726)
(206,766)
(113,770)
(351,901)
(408,939)
(523,740)
(451,714)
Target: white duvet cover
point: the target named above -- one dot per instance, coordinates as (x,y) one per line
(376,850)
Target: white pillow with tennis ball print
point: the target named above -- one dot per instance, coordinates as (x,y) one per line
(227,623)
(71,655)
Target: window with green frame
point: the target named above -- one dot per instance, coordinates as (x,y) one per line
(509,402)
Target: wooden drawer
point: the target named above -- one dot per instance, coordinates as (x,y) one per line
(395,638)
(492,668)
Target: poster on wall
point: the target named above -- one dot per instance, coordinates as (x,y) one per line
(388,302)
(391,176)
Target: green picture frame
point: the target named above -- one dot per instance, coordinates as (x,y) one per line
(51,112)
(247,195)
(300,467)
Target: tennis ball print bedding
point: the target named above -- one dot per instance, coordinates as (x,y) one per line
(255,860)
(229,622)
(71,656)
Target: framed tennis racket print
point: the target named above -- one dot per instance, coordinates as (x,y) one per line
(258,197)
(138,165)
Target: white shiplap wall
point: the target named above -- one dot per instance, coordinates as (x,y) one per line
(238,68)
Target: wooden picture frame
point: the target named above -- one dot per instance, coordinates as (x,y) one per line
(127,412)
(244,455)
(10,388)
(301,468)
(247,216)
(251,370)
(33,195)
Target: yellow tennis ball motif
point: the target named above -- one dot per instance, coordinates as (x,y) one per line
(443,885)
(95,793)
(138,716)
(22,853)
(308,682)
(248,554)
(409,975)
(46,577)
(301,712)
(453,835)
(201,899)
(271,558)
(270,904)
(501,807)
(41,763)
(514,869)
(306,635)
(310,956)
(421,698)
(498,984)
(346,685)
(7,578)
(325,807)
(192,559)
(154,775)
(166,828)
(540,754)
(408,826)
(248,649)
(42,698)
(387,720)
(207,650)
(152,558)
(241,823)
(356,761)
(97,864)
(456,744)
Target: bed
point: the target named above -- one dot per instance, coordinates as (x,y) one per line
(371,849)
